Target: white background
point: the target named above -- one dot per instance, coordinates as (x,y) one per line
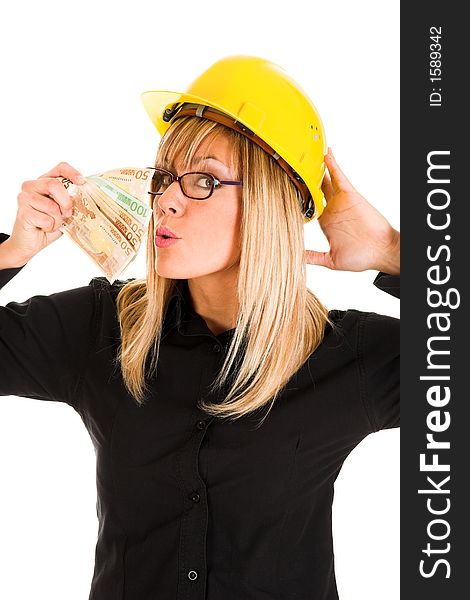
(72,74)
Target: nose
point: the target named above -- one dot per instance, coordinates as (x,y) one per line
(172,201)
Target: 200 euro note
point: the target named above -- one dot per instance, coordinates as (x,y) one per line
(108,222)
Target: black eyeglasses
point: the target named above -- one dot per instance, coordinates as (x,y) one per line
(195,184)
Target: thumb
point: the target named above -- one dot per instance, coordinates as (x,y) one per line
(323,259)
(53,236)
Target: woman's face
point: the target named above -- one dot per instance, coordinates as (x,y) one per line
(208,229)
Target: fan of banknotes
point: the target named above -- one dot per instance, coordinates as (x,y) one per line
(110,216)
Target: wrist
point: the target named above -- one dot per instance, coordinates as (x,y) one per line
(9,258)
(390,261)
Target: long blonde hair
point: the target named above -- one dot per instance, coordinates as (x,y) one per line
(280,321)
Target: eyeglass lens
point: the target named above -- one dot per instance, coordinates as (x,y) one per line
(194,185)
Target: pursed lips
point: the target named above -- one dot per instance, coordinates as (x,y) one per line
(166,233)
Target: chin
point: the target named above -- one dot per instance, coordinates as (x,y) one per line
(170,269)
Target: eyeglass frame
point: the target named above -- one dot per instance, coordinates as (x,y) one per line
(215,182)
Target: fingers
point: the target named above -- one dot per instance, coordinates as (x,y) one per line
(338,179)
(63,169)
(39,211)
(48,195)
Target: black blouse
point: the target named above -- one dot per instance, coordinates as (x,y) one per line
(190,506)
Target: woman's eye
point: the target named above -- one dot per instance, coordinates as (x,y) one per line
(161,181)
(205,182)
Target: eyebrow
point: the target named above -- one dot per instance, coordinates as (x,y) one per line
(200,159)
(210,157)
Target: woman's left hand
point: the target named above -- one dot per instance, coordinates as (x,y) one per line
(360,237)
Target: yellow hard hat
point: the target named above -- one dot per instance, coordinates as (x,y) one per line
(260,100)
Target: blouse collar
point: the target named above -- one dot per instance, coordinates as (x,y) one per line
(180,314)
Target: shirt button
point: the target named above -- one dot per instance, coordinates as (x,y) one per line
(200,424)
(192,575)
(195,497)
(216,348)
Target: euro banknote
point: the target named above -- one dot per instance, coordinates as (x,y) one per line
(110,216)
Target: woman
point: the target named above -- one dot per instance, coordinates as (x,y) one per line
(221,395)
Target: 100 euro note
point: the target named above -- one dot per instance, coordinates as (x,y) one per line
(108,222)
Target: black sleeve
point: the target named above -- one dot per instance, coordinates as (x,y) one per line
(7,274)
(388,283)
(379,363)
(45,342)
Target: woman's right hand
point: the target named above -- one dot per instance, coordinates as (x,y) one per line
(43,204)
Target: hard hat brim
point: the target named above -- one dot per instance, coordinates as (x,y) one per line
(156,101)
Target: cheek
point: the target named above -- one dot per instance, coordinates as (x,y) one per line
(217,236)
(221,237)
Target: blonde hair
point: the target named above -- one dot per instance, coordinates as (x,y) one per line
(280,321)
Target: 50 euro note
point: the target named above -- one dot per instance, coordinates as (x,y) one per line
(108,222)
